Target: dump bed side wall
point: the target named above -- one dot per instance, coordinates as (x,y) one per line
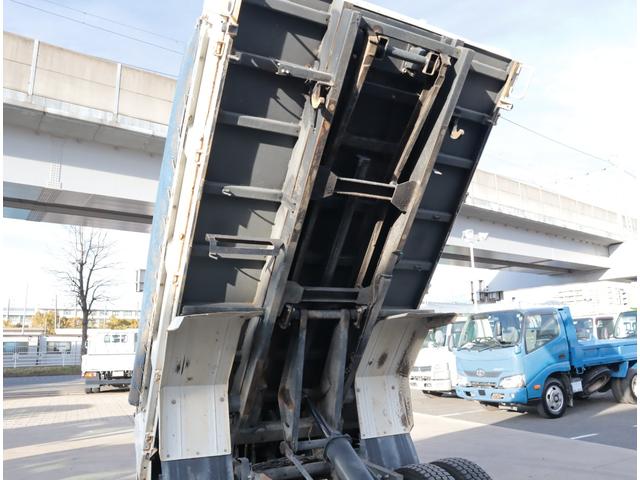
(155,270)
(601,352)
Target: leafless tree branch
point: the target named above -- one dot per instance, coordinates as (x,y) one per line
(87,261)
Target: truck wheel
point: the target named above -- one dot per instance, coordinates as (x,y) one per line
(462,469)
(435,394)
(553,403)
(88,390)
(424,471)
(624,389)
(96,389)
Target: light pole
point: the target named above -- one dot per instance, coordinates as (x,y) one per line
(471,238)
(24,309)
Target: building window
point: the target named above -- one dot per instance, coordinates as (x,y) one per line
(15,347)
(58,347)
(115,338)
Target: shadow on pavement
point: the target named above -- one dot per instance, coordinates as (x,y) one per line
(104,462)
(66,431)
(509,454)
(20,412)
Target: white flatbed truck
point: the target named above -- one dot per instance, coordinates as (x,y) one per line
(109,358)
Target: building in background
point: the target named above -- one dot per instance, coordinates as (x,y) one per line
(581,298)
(98,318)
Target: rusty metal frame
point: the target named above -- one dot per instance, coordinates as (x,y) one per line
(399,232)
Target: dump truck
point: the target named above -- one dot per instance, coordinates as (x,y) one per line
(317,155)
(536,356)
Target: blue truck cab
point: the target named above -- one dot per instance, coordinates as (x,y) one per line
(535,356)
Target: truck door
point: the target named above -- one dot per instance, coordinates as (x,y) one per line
(546,349)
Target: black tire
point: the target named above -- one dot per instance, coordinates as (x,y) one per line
(462,469)
(595,379)
(490,406)
(553,403)
(623,389)
(424,471)
(96,389)
(605,388)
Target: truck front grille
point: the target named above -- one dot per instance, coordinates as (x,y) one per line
(484,384)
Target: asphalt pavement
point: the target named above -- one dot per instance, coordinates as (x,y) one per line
(53,430)
(598,419)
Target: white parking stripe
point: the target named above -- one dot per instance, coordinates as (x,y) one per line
(462,413)
(584,436)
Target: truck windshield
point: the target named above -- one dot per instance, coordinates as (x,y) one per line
(456,331)
(626,325)
(436,337)
(491,330)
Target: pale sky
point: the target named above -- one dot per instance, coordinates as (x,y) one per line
(585,67)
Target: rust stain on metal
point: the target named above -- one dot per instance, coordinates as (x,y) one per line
(285,396)
(404,367)
(382,359)
(182,365)
(405,405)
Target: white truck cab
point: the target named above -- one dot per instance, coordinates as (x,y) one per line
(435,371)
(109,358)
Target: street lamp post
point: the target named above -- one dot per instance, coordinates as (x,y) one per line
(471,238)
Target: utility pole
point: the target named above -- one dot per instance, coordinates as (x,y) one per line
(24,310)
(471,238)
(55,327)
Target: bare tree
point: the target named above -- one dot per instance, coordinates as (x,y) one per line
(87,258)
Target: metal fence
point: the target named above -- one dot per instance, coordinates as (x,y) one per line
(33,359)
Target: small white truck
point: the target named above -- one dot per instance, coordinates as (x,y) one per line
(109,358)
(434,371)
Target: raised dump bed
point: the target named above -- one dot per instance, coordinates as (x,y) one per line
(317,157)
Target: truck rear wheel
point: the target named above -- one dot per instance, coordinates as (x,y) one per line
(624,389)
(553,403)
(424,471)
(462,469)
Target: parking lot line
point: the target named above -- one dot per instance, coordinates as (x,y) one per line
(585,436)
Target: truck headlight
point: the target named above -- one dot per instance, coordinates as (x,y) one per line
(462,381)
(514,381)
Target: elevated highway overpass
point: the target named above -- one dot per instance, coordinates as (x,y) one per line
(83,142)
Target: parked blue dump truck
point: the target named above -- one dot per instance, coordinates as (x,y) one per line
(534,356)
